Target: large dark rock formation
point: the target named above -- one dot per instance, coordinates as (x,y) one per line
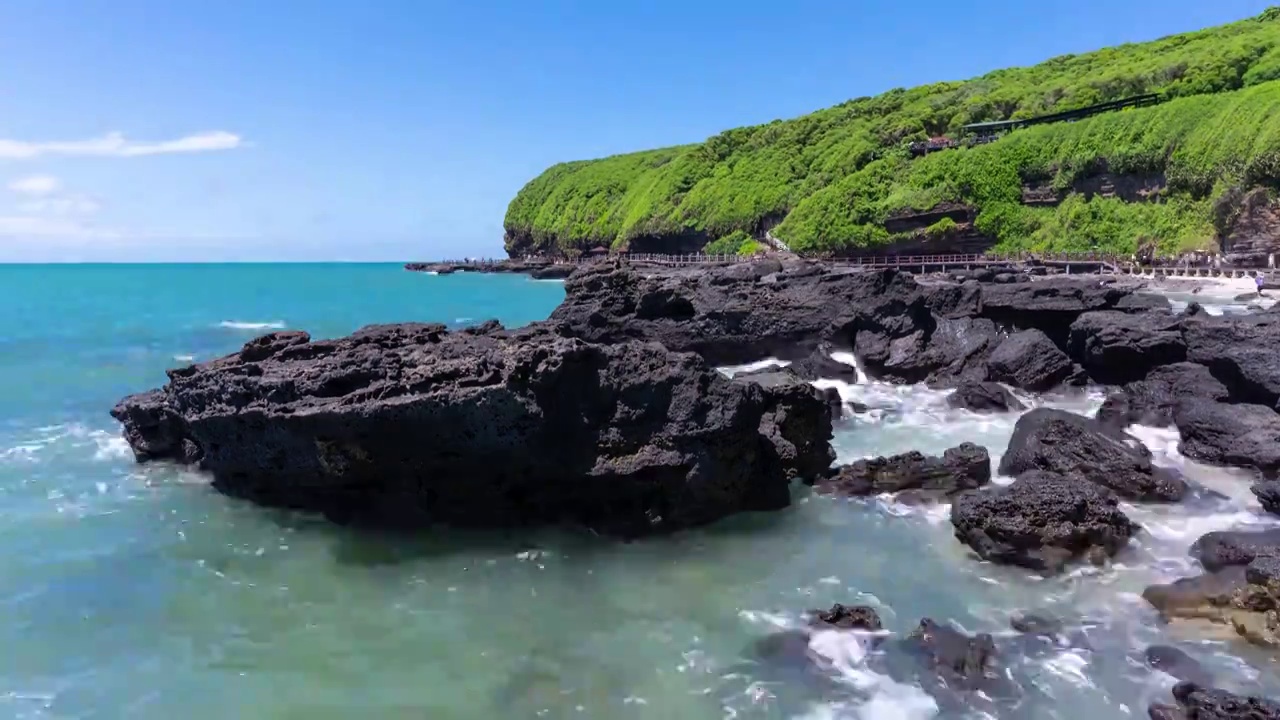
(903,330)
(1116,347)
(1078,447)
(960,468)
(407,425)
(1042,521)
(1029,360)
(1151,401)
(1222,434)
(1240,351)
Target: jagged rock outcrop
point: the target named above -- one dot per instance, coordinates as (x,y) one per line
(1151,401)
(902,330)
(537,268)
(964,467)
(775,377)
(1196,702)
(408,425)
(1078,447)
(1254,229)
(1236,435)
(983,397)
(1117,348)
(1224,548)
(1042,521)
(1268,494)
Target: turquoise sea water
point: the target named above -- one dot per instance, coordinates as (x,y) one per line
(138,593)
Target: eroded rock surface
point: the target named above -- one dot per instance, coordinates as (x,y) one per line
(1078,447)
(1041,521)
(964,467)
(407,425)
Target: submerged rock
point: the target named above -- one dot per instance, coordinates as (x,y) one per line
(964,467)
(1196,702)
(1177,663)
(983,397)
(1151,401)
(408,425)
(1236,435)
(1029,360)
(1117,348)
(1078,447)
(1042,521)
(1246,597)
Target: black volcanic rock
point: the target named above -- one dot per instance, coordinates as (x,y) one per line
(1242,351)
(1151,401)
(846,617)
(1225,548)
(1196,702)
(1268,494)
(983,397)
(408,425)
(1236,435)
(1029,360)
(1117,347)
(960,468)
(1075,446)
(1041,521)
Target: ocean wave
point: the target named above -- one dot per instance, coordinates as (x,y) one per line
(243,325)
(185,358)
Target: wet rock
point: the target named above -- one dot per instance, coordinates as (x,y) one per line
(959,660)
(775,377)
(410,425)
(964,467)
(1029,360)
(1177,663)
(1037,624)
(1078,447)
(1151,401)
(1246,597)
(847,617)
(983,397)
(1053,304)
(1196,702)
(819,365)
(1235,435)
(1225,548)
(1242,351)
(1117,348)
(1041,521)
(1268,494)
(1247,297)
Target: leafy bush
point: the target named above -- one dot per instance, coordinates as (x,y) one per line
(835,175)
(738,242)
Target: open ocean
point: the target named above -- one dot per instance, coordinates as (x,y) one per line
(140,594)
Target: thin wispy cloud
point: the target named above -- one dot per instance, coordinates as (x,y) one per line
(117,145)
(35,185)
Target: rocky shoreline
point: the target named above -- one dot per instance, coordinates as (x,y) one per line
(611,415)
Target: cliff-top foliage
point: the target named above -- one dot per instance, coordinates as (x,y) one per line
(829,180)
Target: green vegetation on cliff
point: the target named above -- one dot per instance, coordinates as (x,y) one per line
(830,180)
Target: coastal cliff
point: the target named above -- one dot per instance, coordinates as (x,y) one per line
(1184,172)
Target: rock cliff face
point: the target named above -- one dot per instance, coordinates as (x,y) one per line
(407,425)
(1254,232)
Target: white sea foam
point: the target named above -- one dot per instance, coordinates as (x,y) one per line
(732,370)
(243,325)
(184,358)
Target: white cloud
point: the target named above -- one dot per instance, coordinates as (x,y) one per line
(35,185)
(116,145)
(64,205)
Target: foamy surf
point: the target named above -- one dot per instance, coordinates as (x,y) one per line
(243,325)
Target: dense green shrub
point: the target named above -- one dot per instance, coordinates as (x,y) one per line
(738,242)
(836,174)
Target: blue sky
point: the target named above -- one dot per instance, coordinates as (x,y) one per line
(289,130)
